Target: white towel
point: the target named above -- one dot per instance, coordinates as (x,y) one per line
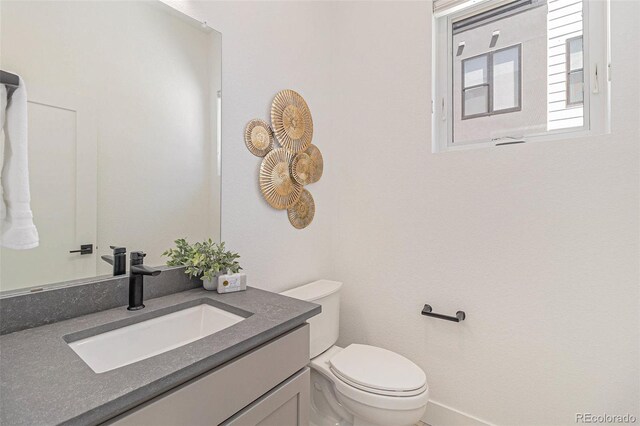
(16,220)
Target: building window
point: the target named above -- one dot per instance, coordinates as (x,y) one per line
(519,70)
(575,71)
(475,83)
(491,83)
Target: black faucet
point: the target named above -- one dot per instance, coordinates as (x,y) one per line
(118,260)
(137,271)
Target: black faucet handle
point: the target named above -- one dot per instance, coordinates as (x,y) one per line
(137,257)
(118,250)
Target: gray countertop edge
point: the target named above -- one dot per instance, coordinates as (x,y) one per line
(139,396)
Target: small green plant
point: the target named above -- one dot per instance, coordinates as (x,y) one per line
(205,259)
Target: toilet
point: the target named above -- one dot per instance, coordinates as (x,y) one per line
(358,385)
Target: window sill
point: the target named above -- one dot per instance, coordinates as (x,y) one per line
(548,137)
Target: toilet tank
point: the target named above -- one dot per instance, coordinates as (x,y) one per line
(323,328)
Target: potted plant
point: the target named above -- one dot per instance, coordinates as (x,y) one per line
(206,260)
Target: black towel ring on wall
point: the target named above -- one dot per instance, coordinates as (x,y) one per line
(12,82)
(427,311)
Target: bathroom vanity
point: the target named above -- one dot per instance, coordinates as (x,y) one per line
(251,372)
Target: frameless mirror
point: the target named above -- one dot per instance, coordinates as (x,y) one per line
(123,111)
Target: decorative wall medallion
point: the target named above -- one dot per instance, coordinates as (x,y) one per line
(316,164)
(307,166)
(276,184)
(300,166)
(291,120)
(258,137)
(285,170)
(302,212)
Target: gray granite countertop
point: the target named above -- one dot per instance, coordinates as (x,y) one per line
(44,382)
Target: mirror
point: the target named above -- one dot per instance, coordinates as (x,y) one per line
(123,111)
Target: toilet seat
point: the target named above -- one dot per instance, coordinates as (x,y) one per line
(395,401)
(379,371)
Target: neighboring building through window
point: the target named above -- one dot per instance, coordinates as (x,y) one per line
(517,70)
(502,52)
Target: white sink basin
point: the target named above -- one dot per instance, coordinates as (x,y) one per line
(136,342)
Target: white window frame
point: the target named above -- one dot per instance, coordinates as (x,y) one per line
(596,65)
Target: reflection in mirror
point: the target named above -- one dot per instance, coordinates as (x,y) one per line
(123,106)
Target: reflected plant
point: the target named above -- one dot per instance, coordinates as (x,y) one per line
(203,259)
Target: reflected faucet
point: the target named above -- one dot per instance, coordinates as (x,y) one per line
(118,260)
(137,271)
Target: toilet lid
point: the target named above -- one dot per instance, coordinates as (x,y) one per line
(378,370)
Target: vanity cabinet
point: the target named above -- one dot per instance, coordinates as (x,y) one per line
(266,386)
(285,405)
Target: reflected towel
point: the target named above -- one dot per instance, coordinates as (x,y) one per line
(16,220)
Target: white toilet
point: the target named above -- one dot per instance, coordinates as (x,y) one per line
(359,385)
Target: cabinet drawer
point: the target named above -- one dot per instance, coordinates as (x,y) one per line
(286,405)
(217,395)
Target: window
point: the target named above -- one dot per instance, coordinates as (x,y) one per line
(475,83)
(575,71)
(518,70)
(491,83)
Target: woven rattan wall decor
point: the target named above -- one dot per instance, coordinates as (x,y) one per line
(290,161)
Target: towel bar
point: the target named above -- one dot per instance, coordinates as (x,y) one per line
(460,315)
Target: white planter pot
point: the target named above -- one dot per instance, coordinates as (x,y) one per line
(211,284)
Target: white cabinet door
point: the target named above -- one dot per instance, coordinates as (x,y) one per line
(62,169)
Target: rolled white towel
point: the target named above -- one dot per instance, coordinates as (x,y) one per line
(16,219)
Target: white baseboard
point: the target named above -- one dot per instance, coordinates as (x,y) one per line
(438,414)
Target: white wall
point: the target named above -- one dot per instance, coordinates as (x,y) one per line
(538,243)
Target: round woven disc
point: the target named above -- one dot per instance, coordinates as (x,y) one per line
(258,137)
(276,184)
(300,168)
(316,164)
(302,212)
(291,120)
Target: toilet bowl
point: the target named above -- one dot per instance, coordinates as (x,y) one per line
(358,385)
